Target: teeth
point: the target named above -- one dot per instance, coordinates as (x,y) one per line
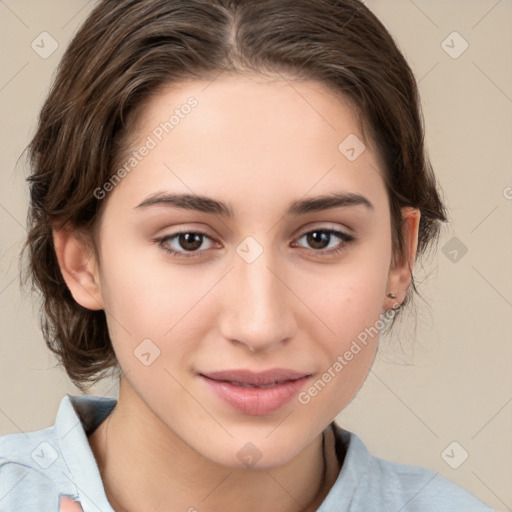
(263,386)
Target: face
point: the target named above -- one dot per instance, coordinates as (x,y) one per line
(250,316)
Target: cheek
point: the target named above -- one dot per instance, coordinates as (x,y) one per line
(348,297)
(347,354)
(137,287)
(349,305)
(147,298)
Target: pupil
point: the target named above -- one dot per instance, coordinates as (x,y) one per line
(317,239)
(190,241)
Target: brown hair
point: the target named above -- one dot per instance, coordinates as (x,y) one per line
(127,49)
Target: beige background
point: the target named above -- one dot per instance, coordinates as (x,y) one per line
(452,380)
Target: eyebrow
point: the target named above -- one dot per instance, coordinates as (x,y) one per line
(299,207)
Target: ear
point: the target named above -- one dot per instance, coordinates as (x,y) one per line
(400,273)
(79,268)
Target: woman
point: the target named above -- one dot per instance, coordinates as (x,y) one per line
(227,202)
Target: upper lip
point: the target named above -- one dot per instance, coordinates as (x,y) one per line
(256,378)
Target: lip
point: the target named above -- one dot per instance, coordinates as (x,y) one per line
(237,388)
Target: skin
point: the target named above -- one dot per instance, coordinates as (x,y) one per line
(69,505)
(256,144)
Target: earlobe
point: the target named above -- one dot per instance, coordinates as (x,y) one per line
(400,273)
(78,267)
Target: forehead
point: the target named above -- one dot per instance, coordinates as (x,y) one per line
(251,134)
(234,103)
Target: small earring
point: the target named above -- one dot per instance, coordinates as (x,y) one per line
(391,295)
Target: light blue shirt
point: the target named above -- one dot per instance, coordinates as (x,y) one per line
(37,468)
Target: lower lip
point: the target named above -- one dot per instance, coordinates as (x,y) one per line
(256,401)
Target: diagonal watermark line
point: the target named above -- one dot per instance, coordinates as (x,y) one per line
(279,424)
(193,192)
(12,217)
(75,15)
(493,287)
(104,396)
(178,177)
(424,14)
(12,488)
(74,426)
(492,211)
(8,284)
(199,403)
(492,81)
(300,299)
(201,298)
(13,13)
(382,175)
(290,84)
(414,497)
(362,4)
(492,419)
(15,75)
(216,487)
(303,195)
(406,405)
(428,72)
(12,421)
(81,491)
(102,307)
(116,382)
(486,14)
(302,509)
(508,507)
(71,429)
(212,80)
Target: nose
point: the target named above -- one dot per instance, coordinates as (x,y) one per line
(257,305)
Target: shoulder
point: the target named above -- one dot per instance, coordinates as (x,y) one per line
(378,484)
(36,449)
(419,490)
(38,468)
(33,471)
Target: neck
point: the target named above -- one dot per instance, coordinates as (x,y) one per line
(144,466)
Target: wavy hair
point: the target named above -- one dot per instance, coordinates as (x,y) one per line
(126,50)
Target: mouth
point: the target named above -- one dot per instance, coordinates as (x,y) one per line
(265,379)
(261,386)
(256,393)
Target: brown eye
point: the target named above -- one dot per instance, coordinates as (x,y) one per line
(319,240)
(190,241)
(178,244)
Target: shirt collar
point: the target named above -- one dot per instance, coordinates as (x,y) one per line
(79,416)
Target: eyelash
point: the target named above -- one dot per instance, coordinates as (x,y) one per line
(347,239)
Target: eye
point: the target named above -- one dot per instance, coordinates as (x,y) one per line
(186,241)
(320,239)
(192,241)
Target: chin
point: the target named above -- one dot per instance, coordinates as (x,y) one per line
(253,452)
